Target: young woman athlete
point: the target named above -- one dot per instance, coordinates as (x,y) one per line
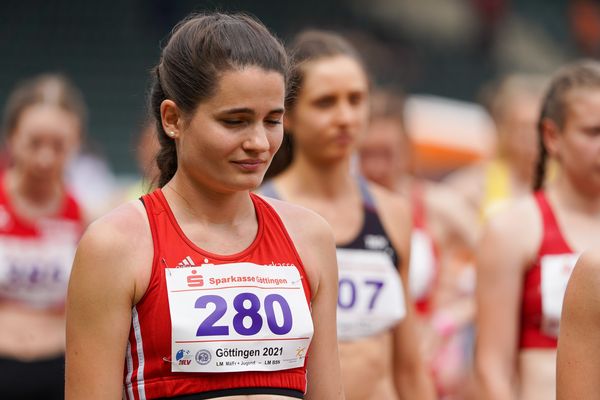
(379,351)
(528,251)
(203,290)
(40,225)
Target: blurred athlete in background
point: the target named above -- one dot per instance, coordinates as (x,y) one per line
(529,249)
(379,349)
(40,225)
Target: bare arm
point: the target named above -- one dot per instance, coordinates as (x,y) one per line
(410,372)
(578,364)
(324,377)
(99,301)
(504,253)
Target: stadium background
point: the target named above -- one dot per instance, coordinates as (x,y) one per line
(447,48)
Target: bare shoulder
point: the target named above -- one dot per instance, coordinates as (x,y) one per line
(516,228)
(299,221)
(587,269)
(442,196)
(451,210)
(118,228)
(116,247)
(468,181)
(312,236)
(392,206)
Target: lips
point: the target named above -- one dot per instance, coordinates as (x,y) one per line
(344,138)
(249,164)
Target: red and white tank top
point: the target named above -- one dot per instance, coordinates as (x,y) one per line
(36,256)
(545,283)
(423,268)
(219,325)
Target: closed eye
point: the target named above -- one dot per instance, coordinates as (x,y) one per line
(233,122)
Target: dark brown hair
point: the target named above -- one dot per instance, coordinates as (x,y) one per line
(199,50)
(51,89)
(309,45)
(582,74)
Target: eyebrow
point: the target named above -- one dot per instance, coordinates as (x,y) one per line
(245,110)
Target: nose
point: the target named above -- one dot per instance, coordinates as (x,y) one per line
(45,158)
(345,113)
(257,140)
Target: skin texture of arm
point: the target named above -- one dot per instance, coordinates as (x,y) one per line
(578,364)
(315,244)
(411,377)
(103,287)
(507,248)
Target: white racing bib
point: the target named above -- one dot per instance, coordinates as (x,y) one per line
(35,270)
(370,294)
(237,317)
(421,272)
(556,271)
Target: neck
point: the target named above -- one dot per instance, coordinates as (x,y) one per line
(329,180)
(205,205)
(403,184)
(567,193)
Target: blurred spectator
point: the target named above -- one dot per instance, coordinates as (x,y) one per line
(444,230)
(40,224)
(92,182)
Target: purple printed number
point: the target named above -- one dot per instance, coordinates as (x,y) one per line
(377,285)
(346,303)
(286,326)
(347,293)
(247,305)
(207,327)
(239,303)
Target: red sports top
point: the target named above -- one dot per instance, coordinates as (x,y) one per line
(419,220)
(36,256)
(148,372)
(553,242)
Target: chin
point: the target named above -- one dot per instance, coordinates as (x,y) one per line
(248,184)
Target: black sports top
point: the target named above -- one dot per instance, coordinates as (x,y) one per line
(372,235)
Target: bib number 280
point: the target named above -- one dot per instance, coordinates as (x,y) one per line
(247,307)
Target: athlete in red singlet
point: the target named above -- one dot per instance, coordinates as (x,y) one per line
(528,251)
(203,290)
(40,225)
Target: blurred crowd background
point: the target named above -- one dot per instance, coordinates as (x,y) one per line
(446,56)
(446,48)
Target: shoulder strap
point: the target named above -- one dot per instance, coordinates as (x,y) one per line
(367,197)
(552,238)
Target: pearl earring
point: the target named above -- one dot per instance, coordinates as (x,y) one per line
(172,134)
